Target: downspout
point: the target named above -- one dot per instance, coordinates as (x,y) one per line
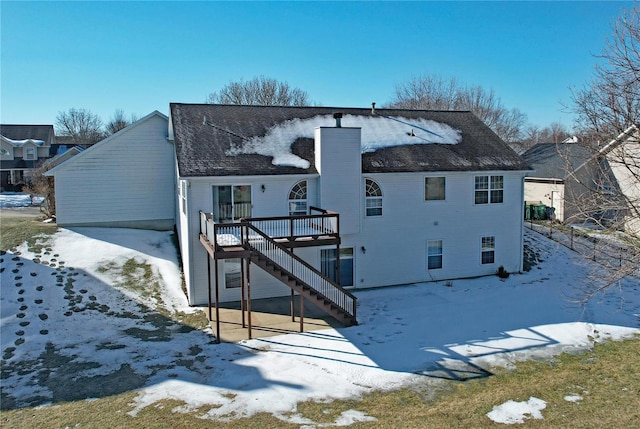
(521,262)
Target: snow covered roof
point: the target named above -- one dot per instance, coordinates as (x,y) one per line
(18,143)
(18,135)
(224,140)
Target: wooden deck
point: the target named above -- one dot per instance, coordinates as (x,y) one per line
(269,243)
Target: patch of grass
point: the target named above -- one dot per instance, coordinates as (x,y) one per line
(16,230)
(197,320)
(139,277)
(135,276)
(606,378)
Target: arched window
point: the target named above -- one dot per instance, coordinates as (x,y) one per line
(298,199)
(373,198)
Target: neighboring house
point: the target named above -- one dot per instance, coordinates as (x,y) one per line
(583,183)
(552,163)
(126,180)
(623,157)
(22,148)
(62,154)
(420,196)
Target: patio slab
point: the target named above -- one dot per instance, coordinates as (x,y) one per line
(269,317)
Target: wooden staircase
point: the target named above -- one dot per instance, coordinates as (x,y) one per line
(310,283)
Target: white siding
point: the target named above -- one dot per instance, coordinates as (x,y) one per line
(125,180)
(272,202)
(626,170)
(395,243)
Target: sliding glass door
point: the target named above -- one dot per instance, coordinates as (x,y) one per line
(231,203)
(328,265)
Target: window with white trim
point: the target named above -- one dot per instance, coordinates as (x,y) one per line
(434,188)
(489,189)
(298,199)
(372,198)
(434,254)
(488,250)
(30,153)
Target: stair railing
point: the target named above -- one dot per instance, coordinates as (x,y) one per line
(259,242)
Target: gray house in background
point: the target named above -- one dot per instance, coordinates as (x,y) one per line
(584,182)
(22,148)
(552,180)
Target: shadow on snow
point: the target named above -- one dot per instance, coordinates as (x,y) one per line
(67,335)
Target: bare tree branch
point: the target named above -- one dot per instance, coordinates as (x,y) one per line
(84,127)
(262,91)
(434,93)
(119,121)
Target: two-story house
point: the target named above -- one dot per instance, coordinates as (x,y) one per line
(22,148)
(362,197)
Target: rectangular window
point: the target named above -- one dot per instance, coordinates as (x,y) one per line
(297,207)
(374,206)
(489,189)
(434,188)
(29,153)
(488,250)
(497,189)
(434,254)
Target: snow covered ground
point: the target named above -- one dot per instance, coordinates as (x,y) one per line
(18,199)
(70,330)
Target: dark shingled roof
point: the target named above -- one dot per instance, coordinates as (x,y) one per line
(24,132)
(556,160)
(201,149)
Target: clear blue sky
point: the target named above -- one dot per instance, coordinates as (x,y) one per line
(140,56)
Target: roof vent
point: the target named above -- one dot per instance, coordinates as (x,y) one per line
(373,108)
(338,117)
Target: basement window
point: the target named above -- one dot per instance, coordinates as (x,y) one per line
(488,250)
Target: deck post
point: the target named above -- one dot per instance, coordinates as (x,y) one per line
(338,264)
(249,295)
(292,307)
(301,313)
(242,303)
(209,285)
(217,303)
(293,311)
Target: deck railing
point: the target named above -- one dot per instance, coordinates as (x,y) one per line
(258,235)
(324,224)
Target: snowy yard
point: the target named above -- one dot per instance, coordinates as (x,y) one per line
(18,200)
(70,330)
